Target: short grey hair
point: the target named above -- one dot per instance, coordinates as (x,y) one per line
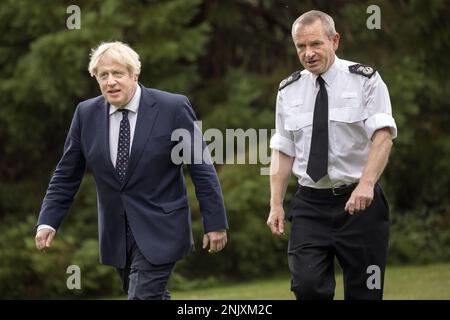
(312,16)
(119,51)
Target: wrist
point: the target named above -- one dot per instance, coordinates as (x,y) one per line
(276,204)
(367,181)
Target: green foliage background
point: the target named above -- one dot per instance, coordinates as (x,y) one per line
(228,58)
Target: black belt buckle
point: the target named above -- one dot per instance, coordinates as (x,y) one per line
(341,190)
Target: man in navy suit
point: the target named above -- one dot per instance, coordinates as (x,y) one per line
(124,137)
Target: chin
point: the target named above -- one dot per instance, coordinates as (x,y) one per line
(115,103)
(316,71)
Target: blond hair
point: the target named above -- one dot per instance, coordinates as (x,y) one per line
(118,51)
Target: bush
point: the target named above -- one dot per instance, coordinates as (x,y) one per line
(417,238)
(251,251)
(28,273)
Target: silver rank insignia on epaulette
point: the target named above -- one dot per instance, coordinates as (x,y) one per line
(292,78)
(362,70)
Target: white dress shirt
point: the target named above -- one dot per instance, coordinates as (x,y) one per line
(357,106)
(114,123)
(114,128)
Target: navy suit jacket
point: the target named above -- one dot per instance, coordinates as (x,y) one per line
(153,193)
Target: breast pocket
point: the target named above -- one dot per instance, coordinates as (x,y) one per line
(295,118)
(349,99)
(298,121)
(347,128)
(160,144)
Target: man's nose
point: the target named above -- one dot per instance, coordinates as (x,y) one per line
(110,81)
(309,52)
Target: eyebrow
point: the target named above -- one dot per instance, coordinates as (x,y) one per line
(311,43)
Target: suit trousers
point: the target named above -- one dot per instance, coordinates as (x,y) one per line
(322,230)
(142,280)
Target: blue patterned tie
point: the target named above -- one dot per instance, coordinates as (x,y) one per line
(123,147)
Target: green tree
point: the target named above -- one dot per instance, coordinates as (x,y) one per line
(228,57)
(45,68)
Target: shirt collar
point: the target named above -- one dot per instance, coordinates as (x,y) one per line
(330,74)
(133,105)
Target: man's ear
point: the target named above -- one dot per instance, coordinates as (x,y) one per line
(336,38)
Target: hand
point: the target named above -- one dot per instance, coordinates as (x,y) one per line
(44,238)
(361,198)
(216,239)
(276,220)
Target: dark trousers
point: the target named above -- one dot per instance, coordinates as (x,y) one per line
(322,230)
(142,280)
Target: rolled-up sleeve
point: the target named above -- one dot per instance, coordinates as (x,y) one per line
(282,140)
(378,121)
(379,107)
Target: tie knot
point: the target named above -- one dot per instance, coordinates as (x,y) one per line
(320,81)
(124,112)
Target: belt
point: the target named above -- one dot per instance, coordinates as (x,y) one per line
(330,192)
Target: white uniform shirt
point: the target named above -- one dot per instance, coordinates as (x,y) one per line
(358,106)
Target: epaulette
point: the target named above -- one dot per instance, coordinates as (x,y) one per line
(362,70)
(292,78)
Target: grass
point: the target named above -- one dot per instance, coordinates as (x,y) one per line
(401,283)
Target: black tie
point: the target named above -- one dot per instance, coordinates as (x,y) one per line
(318,154)
(123,147)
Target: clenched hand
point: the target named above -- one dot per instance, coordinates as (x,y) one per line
(44,238)
(216,240)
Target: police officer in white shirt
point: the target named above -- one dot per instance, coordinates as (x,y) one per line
(334,131)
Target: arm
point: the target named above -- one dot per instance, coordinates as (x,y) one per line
(381,127)
(206,182)
(62,187)
(362,196)
(283,155)
(280,172)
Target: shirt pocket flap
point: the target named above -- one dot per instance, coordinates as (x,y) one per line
(349,95)
(298,120)
(174,205)
(349,115)
(295,102)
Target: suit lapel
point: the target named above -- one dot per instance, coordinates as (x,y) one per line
(146,117)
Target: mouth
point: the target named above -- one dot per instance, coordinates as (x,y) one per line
(113,91)
(311,63)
